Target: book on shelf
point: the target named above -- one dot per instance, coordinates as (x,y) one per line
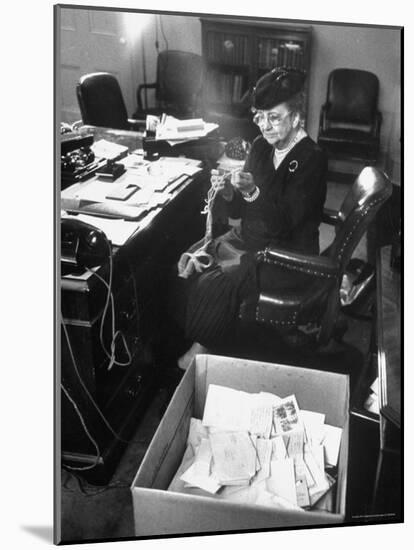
(227,48)
(278,53)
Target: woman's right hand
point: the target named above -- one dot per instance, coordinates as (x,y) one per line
(222,184)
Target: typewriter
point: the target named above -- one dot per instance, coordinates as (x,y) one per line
(77,160)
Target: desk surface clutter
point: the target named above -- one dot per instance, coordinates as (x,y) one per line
(119,208)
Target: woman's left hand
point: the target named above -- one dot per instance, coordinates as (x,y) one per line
(243,181)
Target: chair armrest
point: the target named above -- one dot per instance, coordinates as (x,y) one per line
(141,87)
(330,216)
(319,266)
(377,123)
(322,118)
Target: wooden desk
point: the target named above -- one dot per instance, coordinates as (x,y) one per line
(389,337)
(388,491)
(139,288)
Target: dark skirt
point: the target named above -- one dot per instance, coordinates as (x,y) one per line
(211,300)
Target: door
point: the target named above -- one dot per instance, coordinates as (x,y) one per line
(90,41)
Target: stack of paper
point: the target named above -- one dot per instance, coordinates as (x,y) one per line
(260,448)
(108,150)
(177,131)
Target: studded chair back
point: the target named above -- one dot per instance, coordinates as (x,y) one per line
(366,196)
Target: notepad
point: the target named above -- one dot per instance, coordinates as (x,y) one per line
(122,192)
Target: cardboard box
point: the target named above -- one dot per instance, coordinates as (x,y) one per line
(161,512)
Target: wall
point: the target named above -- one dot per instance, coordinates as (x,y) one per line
(372,49)
(333,46)
(173,31)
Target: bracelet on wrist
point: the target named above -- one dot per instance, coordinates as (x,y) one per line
(250,197)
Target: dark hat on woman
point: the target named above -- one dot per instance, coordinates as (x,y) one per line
(276,87)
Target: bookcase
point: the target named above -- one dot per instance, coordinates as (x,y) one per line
(237,52)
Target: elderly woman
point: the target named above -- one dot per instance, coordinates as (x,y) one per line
(279,197)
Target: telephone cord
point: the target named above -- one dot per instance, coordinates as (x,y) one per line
(107,424)
(91,439)
(115,333)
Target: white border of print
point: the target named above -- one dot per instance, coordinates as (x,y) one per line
(27,270)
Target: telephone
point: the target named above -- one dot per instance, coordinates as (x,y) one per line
(82,244)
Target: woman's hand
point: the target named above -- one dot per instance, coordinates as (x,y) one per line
(222,183)
(244,182)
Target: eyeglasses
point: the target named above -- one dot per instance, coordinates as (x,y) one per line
(274,119)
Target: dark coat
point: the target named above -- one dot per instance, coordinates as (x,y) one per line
(288,211)
(286,214)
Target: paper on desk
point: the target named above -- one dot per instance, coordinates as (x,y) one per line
(183,137)
(116,231)
(178,131)
(190,170)
(136,163)
(234,456)
(94,190)
(158,199)
(331,443)
(141,197)
(108,150)
(227,409)
(170,168)
(281,481)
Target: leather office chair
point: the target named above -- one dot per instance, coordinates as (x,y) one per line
(101,103)
(178,86)
(312,297)
(350,121)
